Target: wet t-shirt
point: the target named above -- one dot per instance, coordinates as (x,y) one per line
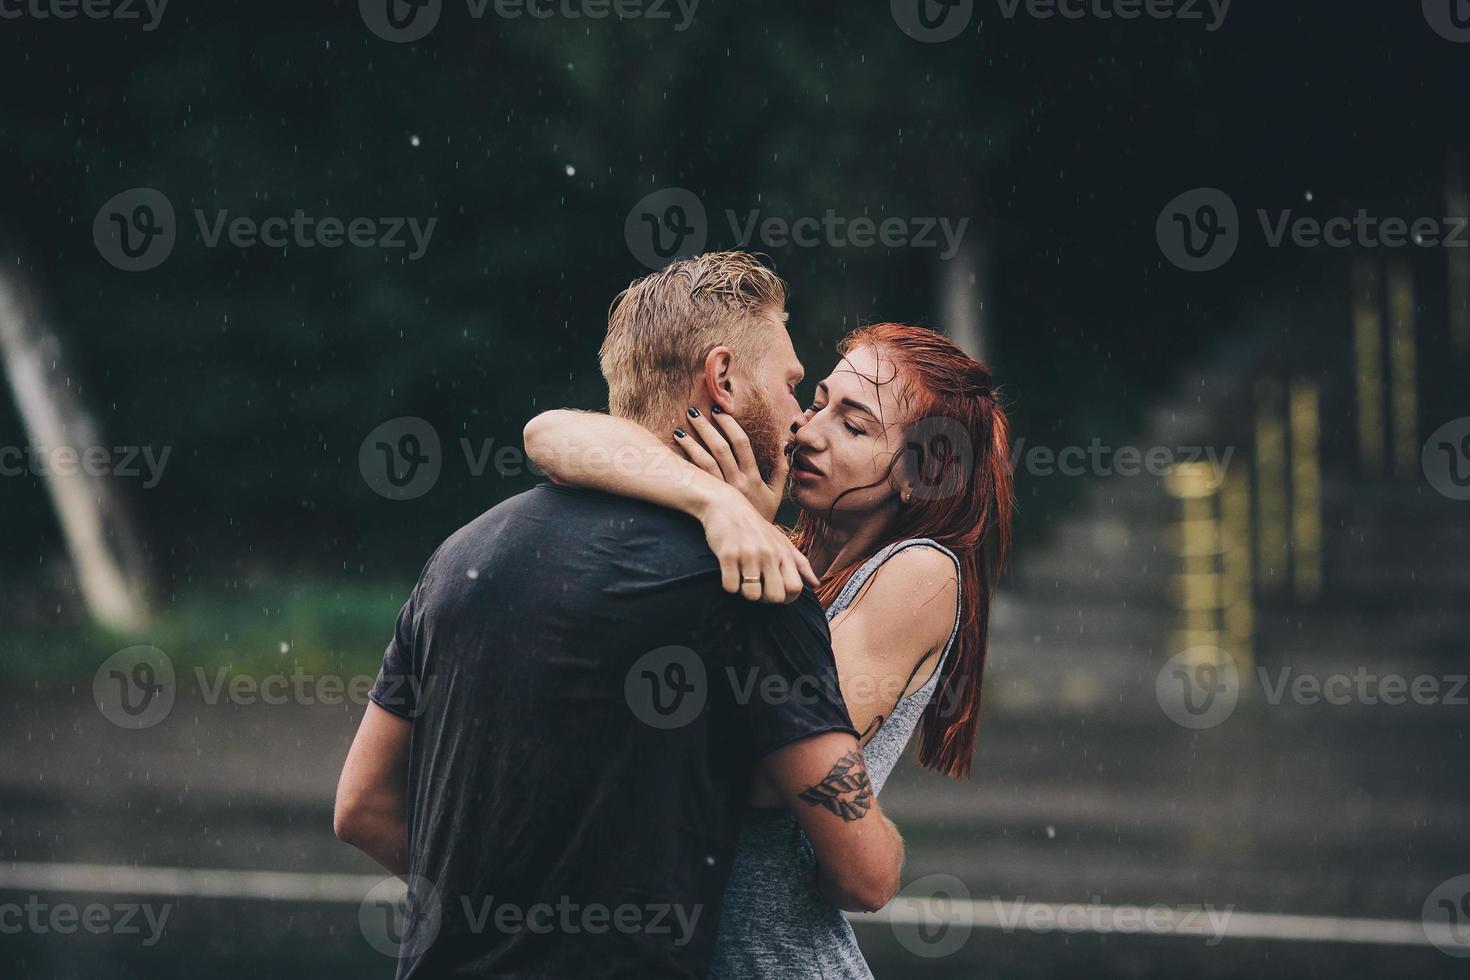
(587,705)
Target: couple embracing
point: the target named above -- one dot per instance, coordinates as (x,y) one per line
(627,726)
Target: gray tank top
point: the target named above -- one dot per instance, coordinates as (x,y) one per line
(775,924)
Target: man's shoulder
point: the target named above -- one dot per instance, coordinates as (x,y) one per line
(554,519)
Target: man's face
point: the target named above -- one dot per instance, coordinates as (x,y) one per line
(770,408)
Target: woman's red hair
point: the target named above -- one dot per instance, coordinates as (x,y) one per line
(956,457)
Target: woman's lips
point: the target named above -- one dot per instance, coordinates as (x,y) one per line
(803,471)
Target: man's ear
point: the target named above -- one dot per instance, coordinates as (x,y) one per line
(719,378)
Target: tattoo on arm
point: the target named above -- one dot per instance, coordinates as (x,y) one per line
(844,790)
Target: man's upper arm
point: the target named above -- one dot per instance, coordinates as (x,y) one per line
(377,762)
(785,680)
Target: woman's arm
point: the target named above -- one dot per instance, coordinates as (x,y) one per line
(886,643)
(589,449)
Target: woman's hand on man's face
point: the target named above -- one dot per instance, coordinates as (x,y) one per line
(721,448)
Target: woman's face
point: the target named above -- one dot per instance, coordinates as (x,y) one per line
(851,432)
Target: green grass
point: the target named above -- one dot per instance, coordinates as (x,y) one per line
(321,627)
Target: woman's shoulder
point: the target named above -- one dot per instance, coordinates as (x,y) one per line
(915,586)
(919,562)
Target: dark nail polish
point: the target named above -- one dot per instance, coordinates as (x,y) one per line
(715,410)
(693,412)
(680,433)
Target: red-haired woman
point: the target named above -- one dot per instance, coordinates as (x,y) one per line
(901,470)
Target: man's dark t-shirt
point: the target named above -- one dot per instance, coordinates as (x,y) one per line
(587,706)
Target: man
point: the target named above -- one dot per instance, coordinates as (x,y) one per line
(573,711)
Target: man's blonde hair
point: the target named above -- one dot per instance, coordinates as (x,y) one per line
(662,326)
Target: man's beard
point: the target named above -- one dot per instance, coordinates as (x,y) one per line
(767,438)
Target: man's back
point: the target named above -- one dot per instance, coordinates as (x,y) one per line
(578,756)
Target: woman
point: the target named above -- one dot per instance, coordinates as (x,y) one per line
(901,473)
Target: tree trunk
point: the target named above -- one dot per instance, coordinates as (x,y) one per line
(109,566)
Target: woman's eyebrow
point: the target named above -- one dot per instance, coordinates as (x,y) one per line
(822,387)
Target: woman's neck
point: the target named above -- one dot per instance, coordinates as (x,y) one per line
(849,540)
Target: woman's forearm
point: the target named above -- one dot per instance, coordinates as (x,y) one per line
(590,449)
